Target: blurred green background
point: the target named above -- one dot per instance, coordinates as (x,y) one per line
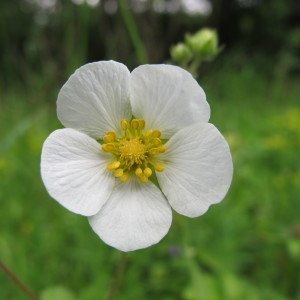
(247,247)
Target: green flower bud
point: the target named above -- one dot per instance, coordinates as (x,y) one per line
(180,53)
(203,44)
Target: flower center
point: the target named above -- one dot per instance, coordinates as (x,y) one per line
(134,151)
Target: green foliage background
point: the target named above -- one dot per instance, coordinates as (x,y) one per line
(246,247)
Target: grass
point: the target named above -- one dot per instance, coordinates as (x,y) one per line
(247,247)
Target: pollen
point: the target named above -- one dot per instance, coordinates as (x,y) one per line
(134,151)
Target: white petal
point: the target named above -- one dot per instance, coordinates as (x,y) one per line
(198,169)
(74,173)
(135,216)
(95,98)
(167,97)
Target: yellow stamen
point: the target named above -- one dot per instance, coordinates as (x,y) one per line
(148,132)
(108,147)
(113,165)
(124,124)
(108,138)
(112,134)
(153,151)
(124,177)
(143,179)
(159,167)
(162,149)
(141,124)
(147,172)
(138,172)
(135,124)
(118,173)
(156,133)
(157,141)
(134,151)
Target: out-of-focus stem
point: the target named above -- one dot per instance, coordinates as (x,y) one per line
(117,277)
(17,281)
(133,32)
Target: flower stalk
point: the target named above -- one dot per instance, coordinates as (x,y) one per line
(115,284)
(17,281)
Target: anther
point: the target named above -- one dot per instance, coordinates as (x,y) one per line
(143,179)
(124,177)
(156,133)
(112,134)
(124,124)
(147,172)
(157,141)
(153,151)
(135,124)
(113,165)
(109,137)
(148,132)
(159,167)
(141,124)
(162,149)
(138,172)
(108,147)
(118,173)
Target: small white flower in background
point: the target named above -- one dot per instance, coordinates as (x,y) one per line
(135,145)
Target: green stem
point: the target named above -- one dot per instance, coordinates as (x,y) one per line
(194,66)
(17,281)
(117,277)
(133,32)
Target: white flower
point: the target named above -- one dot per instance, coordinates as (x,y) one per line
(135,145)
